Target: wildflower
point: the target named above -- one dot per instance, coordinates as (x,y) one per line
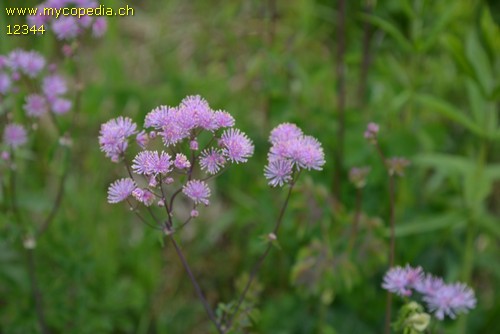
(371,132)
(278,172)
(30,63)
(194,213)
(5,83)
(285,132)
(142,139)
(144,196)
(450,300)
(54,85)
(194,111)
(113,136)
(99,27)
(223,119)
(120,190)
(181,161)
(306,152)
(61,106)
(236,146)
(429,284)
(197,190)
(400,280)
(152,163)
(212,160)
(65,27)
(193,145)
(14,135)
(35,105)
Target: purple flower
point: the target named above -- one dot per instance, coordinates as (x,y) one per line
(28,62)
(371,132)
(54,85)
(193,145)
(61,106)
(14,135)
(236,146)
(142,139)
(429,284)
(306,152)
(65,27)
(159,117)
(5,83)
(194,111)
(120,190)
(113,136)
(181,161)
(212,160)
(223,119)
(197,190)
(285,132)
(152,163)
(278,172)
(35,105)
(165,120)
(144,196)
(450,300)
(99,27)
(400,280)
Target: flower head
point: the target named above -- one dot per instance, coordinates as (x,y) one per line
(5,83)
(54,85)
(36,105)
(181,161)
(30,63)
(14,135)
(357,175)
(144,196)
(285,132)
(236,146)
(120,190)
(212,160)
(66,27)
(60,106)
(152,163)
(400,280)
(278,172)
(113,136)
(197,190)
(450,300)
(371,132)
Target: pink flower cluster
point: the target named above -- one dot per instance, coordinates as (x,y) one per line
(291,150)
(190,125)
(69,27)
(25,73)
(442,299)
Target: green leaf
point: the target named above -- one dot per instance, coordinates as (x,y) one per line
(449,111)
(428,224)
(446,163)
(390,29)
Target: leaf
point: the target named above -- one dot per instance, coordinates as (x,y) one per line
(428,224)
(390,29)
(451,112)
(479,60)
(446,163)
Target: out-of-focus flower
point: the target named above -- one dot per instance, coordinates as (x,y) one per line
(397,165)
(14,135)
(450,300)
(371,132)
(357,175)
(36,105)
(400,280)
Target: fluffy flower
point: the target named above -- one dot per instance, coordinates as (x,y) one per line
(236,146)
(306,152)
(5,83)
(66,27)
(120,190)
(113,136)
(142,139)
(54,85)
(14,135)
(278,172)
(371,132)
(36,105)
(144,196)
(451,300)
(285,132)
(223,119)
(181,161)
(28,62)
(61,106)
(194,111)
(212,160)
(198,191)
(400,280)
(152,163)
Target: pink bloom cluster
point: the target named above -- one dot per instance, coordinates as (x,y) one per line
(25,73)
(69,27)
(291,150)
(190,125)
(442,299)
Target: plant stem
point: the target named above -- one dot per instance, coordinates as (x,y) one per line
(367,57)
(355,223)
(202,298)
(35,291)
(341,93)
(261,259)
(392,249)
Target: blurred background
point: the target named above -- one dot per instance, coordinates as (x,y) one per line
(426,71)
